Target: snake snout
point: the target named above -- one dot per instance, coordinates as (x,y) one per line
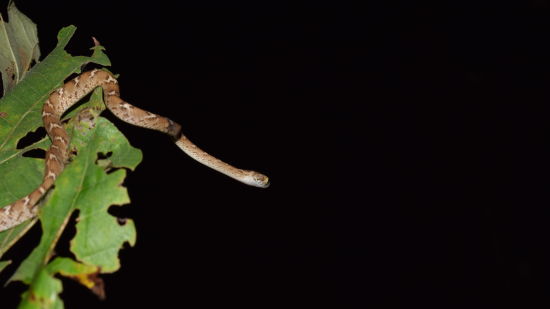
(260,180)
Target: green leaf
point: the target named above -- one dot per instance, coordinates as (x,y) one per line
(43,292)
(45,289)
(87,275)
(89,185)
(86,186)
(21,114)
(19,47)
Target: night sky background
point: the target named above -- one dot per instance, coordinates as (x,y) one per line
(407,146)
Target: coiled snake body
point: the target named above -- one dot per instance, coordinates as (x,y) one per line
(71,92)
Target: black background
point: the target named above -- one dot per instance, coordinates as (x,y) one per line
(406,144)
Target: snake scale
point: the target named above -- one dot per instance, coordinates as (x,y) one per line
(71,92)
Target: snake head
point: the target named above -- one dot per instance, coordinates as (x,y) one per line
(256,179)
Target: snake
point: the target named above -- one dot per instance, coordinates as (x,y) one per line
(61,99)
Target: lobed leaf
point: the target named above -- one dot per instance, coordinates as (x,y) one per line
(21,110)
(89,185)
(86,186)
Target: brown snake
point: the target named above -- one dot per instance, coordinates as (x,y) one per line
(71,92)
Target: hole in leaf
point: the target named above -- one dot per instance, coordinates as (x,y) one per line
(35,153)
(73,152)
(121,213)
(31,138)
(103,156)
(64,242)
(103,159)
(104,162)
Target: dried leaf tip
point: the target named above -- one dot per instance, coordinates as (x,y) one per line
(96,42)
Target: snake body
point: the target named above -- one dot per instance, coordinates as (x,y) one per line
(71,92)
